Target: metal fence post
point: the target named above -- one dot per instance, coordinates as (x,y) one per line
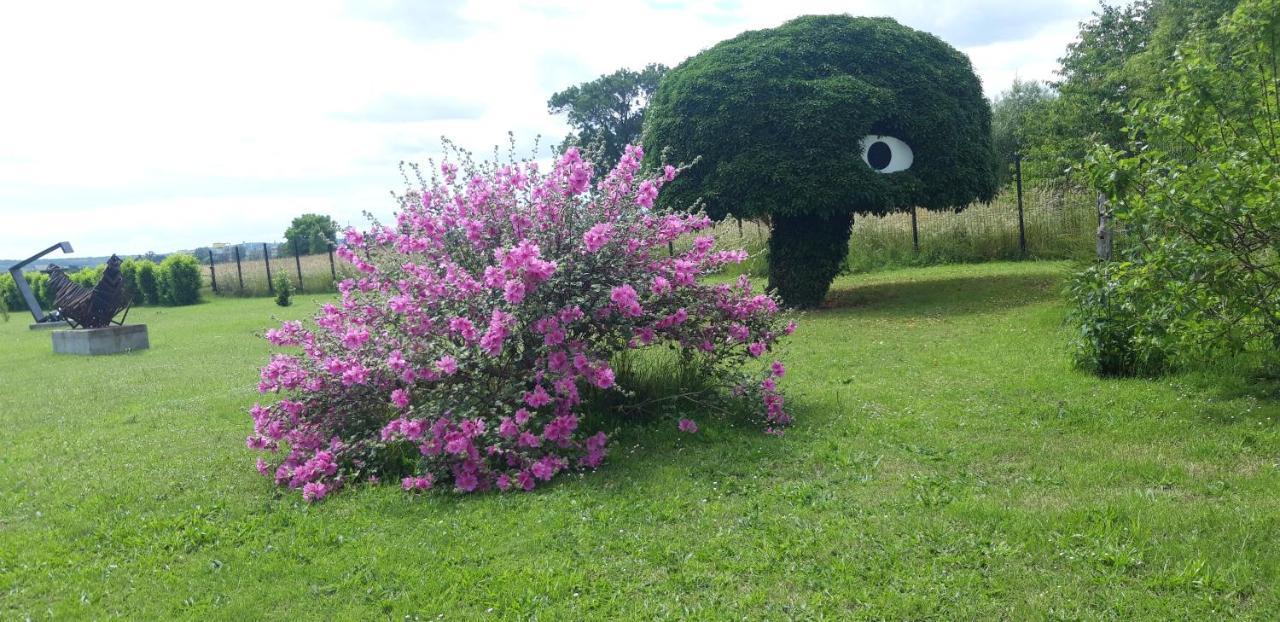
(915,233)
(266,256)
(298,261)
(239,272)
(1022,226)
(213,273)
(333,270)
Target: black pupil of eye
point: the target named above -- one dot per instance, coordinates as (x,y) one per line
(879,155)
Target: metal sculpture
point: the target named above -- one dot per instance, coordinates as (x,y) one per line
(89,308)
(34,305)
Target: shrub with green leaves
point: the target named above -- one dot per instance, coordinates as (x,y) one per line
(12,298)
(146,283)
(179,280)
(1197,194)
(1112,312)
(821,118)
(284,290)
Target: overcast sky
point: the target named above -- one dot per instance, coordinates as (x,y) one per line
(134,126)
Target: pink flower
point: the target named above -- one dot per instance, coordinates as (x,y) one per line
(647,193)
(688,426)
(778,369)
(537,398)
(418,483)
(660,286)
(314,491)
(624,298)
(756,348)
(400,398)
(447,365)
(597,236)
(508,429)
(526,480)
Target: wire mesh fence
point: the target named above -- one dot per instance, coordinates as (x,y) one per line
(252,270)
(1031,220)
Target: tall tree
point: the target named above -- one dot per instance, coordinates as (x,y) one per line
(1019,120)
(608,112)
(312,233)
(1117,59)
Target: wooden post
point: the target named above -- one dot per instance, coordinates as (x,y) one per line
(298,261)
(1104,230)
(213,273)
(333,270)
(239,272)
(266,256)
(1022,226)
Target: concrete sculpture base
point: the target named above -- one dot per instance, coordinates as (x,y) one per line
(109,340)
(47,325)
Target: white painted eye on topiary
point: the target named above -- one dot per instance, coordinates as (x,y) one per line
(886,154)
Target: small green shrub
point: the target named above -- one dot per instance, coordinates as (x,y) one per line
(87,277)
(284,291)
(179,280)
(1120,327)
(146,283)
(129,277)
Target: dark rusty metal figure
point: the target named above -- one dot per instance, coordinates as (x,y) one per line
(89,308)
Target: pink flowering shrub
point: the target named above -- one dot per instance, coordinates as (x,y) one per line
(462,352)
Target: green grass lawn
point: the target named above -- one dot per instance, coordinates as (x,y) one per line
(947,463)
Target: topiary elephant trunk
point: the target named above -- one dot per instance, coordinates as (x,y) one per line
(805,254)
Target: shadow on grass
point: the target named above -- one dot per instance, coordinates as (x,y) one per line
(945,295)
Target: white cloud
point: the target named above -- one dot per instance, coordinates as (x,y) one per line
(135,126)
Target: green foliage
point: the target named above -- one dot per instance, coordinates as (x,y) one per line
(806,252)
(12,298)
(1119,58)
(1019,124)
(179,280)
(129,275)
(607,113)
(87,277)
(777,117)
(1195,193)
(146,283)
(284,290)
(1112,313)
(312,233)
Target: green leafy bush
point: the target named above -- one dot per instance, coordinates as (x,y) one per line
(284,291)
(129,275)
(146,283)
(87,277)
(816,120)
(1195,195)
(1121,327)
(12,298)
(179,280)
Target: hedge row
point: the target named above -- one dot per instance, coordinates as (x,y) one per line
(172,282)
